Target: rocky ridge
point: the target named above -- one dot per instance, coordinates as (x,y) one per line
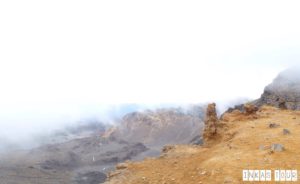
(284,91)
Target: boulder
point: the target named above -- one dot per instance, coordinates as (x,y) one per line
(273,125)
(121,166)
(277,147)
(286,132)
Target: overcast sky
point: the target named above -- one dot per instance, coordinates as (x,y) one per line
(61,56)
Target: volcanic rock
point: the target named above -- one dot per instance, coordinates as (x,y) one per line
(211,121)
(273,125)
(284,92)
(277,147)
(250,109)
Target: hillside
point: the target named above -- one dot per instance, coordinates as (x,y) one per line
(156,128)
(284,91)
(159,127)
(83,154)
(243,141)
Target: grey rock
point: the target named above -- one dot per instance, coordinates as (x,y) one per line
(277,147)
(286,132)
(274,125)
(198,140)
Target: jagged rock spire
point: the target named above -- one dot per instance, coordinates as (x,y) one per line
(211,122)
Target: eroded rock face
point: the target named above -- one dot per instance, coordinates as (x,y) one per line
(284,92)
(211,122)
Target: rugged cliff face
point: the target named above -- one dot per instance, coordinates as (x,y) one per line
(284,92)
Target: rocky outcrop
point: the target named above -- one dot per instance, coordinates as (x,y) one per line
(211,122)
(250,109)
(242,112)
(284,92)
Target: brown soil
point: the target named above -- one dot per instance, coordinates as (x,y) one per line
(223,160)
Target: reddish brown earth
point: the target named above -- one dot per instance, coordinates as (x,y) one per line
(243,142)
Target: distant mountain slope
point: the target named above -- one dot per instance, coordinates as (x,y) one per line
(162,126)
(284,92)
(83,154)
(81,159)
